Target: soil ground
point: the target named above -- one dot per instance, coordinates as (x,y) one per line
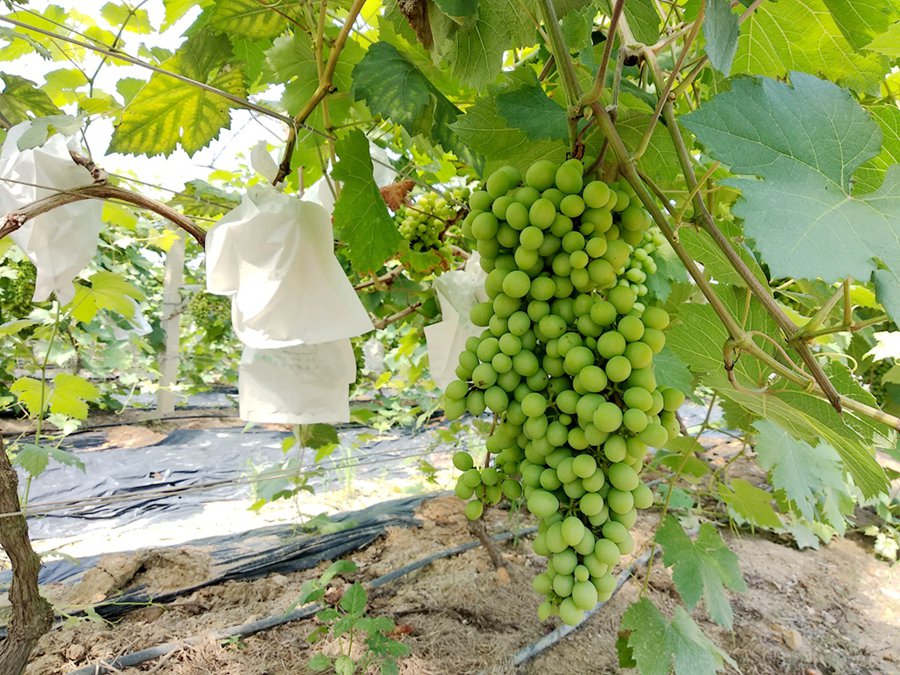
(835,610)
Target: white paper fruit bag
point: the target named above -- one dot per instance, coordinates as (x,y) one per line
(60,242)
(306,384)
(274,255)
(457,293)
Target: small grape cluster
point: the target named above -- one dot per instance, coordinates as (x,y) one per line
(641,264)
(566,364)
(17,285)
(210,313)
(424,222)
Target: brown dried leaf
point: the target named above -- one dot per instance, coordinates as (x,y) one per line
(395,194)
(416,13)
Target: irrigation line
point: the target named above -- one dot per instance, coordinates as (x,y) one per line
(246,629)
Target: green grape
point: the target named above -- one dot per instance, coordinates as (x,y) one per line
(566,365)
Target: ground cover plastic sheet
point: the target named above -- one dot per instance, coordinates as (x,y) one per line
(190,457)
(250,555)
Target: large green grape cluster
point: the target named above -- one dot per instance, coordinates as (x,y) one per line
(423,222)
(17,285)
(566,364)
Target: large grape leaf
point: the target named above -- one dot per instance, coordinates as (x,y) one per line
(292,61)
(802,35)
(660,159)
(659,646)
(396,89)
(532,111)
(805,141)
(20,97)
(487,132)
(166,111)
(811,477)
(360,215)
(861,20)
(721,30)
(248,19)
(473,49)
(698,338)
(701,569)
(872,172)
(643,19)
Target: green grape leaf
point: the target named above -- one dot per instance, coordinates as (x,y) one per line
(66,458)
(107,291)
(318,662)
(132,20)
(643,20)
(354,599)
(530,109)
(698,337)
(316,436)
(660,159)
(21,96)
(802,35)
(811,477)
(487,132)
(659,646)
(861,20)
(32,458)
(360,215)
(577,27)
(31,393)
(805,141)
(701,569)
(457,8)
(396,89)
(671,371)
(888,43)
(247,19)
(292,61)
(70,396)
(872,172)
(721,30)
(749,503)
(703,249)
(473,50)
(166,111)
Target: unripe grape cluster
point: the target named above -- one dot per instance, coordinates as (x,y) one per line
(17,285)
(566,364)
(210,313)
(423,222)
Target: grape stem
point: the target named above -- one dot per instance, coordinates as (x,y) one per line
(16,219)
(325,87)
(817,381)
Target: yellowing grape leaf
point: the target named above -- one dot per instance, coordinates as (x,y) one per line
(802,35)
(31,394)
(71,394)
(249,19)
(749,503)
(166,111)
(107,291)
(21,96)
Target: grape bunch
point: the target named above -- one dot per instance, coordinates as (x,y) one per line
(424,222)
(566,364)
(210,313)
(17,285)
